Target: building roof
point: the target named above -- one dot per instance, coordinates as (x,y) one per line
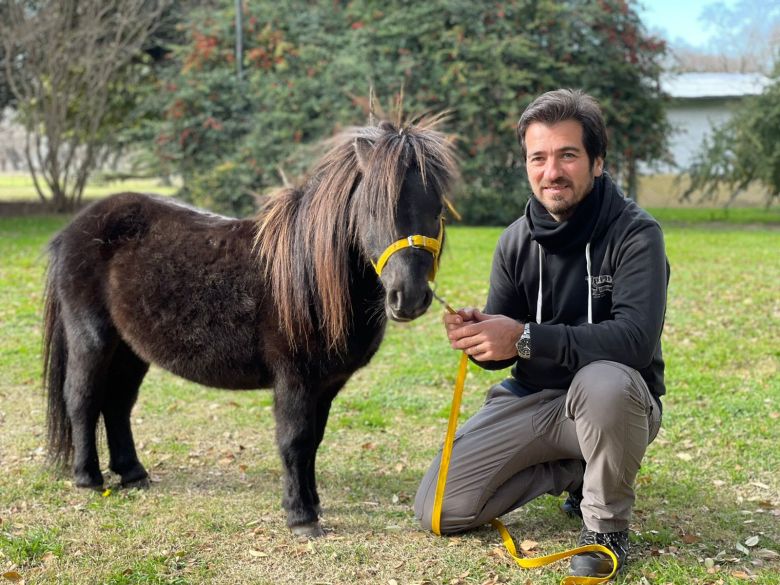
(713,85)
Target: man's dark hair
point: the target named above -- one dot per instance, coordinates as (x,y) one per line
(567,104)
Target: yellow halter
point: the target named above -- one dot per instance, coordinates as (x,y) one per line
(432,245)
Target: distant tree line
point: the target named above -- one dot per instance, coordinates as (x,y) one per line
(745,39)
(307,69)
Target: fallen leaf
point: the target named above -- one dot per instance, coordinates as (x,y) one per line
(767,554)
(752,541)
(257,554)
(709,563)
(740,575)
(690,538)
(107,493)
(528,545)
(12,576)
(741,548)
(685,456)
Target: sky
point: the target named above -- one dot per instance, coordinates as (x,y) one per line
(678,19)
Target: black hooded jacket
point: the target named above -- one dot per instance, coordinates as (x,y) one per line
(627,289)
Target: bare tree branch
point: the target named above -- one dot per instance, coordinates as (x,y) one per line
(72,54)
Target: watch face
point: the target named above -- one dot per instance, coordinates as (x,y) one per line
(523,347)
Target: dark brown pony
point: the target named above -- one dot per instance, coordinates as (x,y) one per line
(287,300)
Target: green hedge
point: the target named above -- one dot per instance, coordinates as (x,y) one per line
(308,67)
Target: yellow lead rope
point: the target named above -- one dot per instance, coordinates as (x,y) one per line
(444,466)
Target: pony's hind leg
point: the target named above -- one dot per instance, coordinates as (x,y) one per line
(83,393)
(124,377)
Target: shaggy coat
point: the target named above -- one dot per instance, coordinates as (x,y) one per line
(287,300)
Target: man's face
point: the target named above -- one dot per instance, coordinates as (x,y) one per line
(558,167)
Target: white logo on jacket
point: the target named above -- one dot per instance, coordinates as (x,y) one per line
(600,285)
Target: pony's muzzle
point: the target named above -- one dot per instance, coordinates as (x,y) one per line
(407,303)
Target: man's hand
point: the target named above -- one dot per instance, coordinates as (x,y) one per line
(484,337)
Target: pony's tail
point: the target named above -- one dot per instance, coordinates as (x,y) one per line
(55,359)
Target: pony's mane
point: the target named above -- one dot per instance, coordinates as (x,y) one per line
(305,232)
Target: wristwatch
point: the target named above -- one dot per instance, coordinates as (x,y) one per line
(523,345)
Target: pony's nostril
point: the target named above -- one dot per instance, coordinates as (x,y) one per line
(395,299)
(428,298)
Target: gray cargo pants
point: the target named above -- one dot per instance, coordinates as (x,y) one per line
(515,449)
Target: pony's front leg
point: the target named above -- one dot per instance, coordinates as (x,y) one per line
(323,409)
(295,408)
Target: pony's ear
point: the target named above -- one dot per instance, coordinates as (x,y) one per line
(363,147)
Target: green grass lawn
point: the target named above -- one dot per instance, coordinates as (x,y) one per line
(20,187)
(708,494)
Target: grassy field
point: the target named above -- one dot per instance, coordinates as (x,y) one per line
(20,187)
(708,506)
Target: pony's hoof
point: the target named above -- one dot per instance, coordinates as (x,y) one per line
(88,482)
(136,477)
(311,530)
(141,483)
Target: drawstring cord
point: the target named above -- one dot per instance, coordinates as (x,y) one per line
(590,294)
(539,296)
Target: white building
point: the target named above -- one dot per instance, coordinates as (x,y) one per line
(699,102)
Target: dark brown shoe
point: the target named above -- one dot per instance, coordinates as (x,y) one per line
(595,564)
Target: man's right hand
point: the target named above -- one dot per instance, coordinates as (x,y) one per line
(483,336)
(459,318)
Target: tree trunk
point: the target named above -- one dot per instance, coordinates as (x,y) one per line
(632,180)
